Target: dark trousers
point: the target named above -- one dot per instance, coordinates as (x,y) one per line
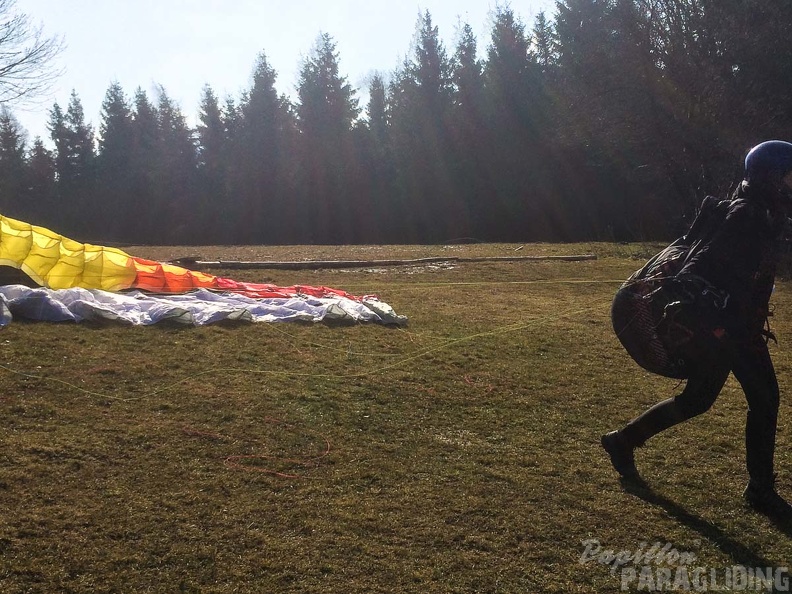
(752,367)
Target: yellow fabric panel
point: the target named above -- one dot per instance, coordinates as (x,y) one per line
(106,268)
(16,239)
(43,254)
(58,262)
(68,270)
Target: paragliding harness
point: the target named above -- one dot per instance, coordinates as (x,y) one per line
(665,319)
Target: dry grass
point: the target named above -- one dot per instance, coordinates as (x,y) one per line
(457,455)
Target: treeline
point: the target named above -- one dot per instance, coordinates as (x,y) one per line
(609,121)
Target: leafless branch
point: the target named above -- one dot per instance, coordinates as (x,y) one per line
(27,56)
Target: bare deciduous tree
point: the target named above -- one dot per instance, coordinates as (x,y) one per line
(27,56)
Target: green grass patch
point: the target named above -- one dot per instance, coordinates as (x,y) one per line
(458,454)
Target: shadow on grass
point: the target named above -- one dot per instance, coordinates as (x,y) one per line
(740,554)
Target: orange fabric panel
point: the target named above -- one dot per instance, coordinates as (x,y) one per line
(168,278)
(150,276)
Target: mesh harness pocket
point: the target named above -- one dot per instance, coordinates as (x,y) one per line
(664,322)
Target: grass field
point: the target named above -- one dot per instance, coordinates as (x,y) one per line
(458,454)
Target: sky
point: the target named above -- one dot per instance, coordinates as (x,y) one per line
(184,45)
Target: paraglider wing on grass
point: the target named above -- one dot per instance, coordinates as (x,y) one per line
(80,281)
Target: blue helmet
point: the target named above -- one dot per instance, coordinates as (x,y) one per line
(768,163)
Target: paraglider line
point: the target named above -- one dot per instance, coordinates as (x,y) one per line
(514,327)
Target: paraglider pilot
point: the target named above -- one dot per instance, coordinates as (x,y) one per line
(699,311)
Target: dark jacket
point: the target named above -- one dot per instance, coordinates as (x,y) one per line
(738,255)
(708,289)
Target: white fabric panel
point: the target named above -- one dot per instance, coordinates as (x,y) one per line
(198,307)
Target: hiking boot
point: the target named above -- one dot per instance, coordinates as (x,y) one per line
(764,499)
(621,455)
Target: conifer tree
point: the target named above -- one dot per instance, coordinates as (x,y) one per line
(81,146)
(42,193)
(377,110)
(74,166)
(326,111)
(421,101)
(213,152)
(467,71)
(144,166)
(13,201)
(431,69)
(375,217)
(545,46)
(211,132)
(261,131)
(470,133)
(327,106)
(176,213)
(517,112)
(116,203)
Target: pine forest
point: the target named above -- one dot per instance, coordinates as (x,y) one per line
(609,120)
